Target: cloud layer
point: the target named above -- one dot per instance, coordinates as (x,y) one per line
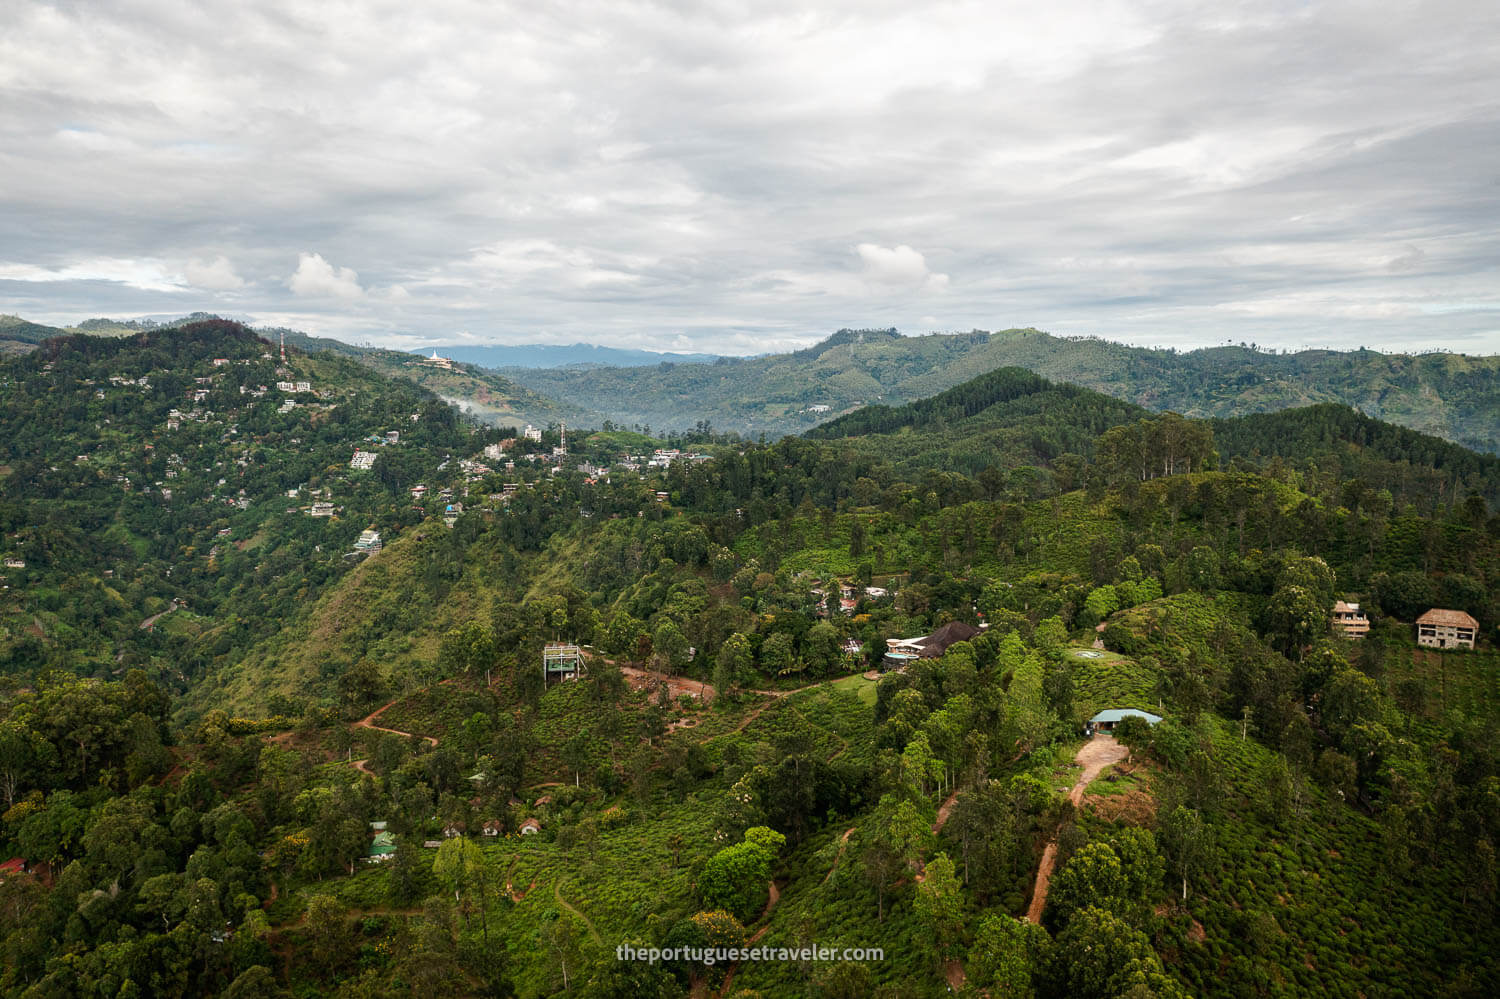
(739,178)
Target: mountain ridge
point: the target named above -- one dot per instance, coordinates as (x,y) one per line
(1454,396)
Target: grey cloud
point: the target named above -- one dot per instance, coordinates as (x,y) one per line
(635,174)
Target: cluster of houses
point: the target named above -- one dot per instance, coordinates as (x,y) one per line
(848,597)
(383,842)
(1439,628)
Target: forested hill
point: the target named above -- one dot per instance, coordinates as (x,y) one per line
(482,393)
(185,470)
(1370,454)
(961,403)
(1040,431)
(1006,419)
(1454,396)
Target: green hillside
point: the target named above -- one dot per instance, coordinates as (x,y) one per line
(1449,395)
(202,804)
(18,336)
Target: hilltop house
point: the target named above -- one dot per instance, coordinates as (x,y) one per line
(1349,620)
(1446,629)
(530,827)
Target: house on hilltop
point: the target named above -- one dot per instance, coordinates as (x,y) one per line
(1446,629)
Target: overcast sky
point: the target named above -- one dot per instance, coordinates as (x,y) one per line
(741,177)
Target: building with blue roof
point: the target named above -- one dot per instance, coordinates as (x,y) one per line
(1106,720)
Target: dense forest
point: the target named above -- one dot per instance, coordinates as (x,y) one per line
(322,772)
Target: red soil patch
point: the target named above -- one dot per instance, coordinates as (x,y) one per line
(677,686)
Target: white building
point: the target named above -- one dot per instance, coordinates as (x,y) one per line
(532,433)
(363,460)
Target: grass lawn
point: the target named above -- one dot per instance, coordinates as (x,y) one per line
(858,686)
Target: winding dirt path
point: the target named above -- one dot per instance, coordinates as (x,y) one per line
(557,894)
(368,721)
(1099,752)
(776,695)
(773,895)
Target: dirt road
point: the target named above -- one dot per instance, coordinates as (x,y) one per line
(1099,752)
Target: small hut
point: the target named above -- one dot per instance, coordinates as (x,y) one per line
(381,847)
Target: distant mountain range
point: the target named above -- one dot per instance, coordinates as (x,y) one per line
(1453,396)
(552,355)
